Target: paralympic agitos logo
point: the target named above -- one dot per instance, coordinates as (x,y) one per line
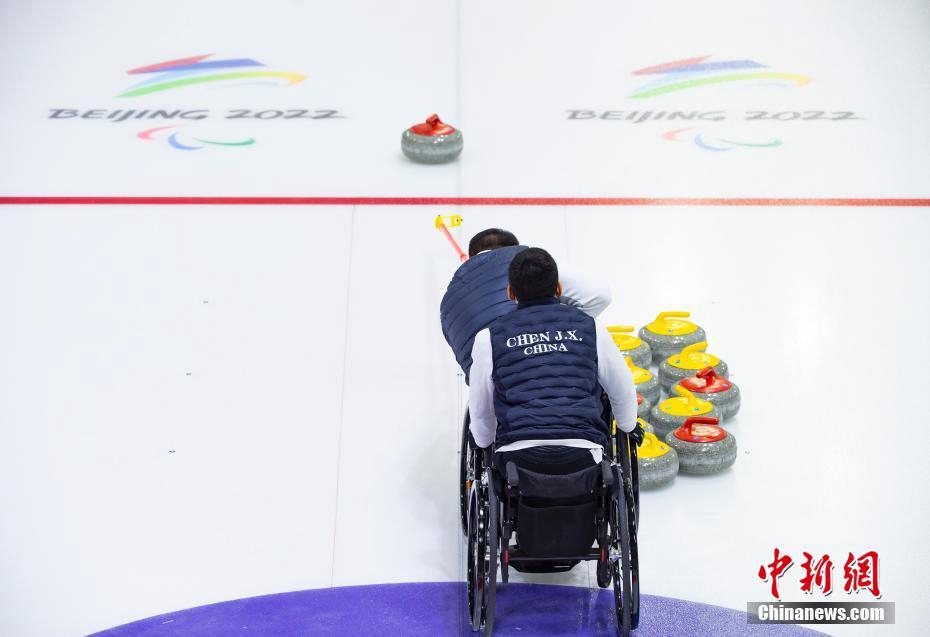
(715,130)
(185,130)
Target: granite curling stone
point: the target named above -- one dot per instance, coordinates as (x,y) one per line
(722,393)
(657,461)
(646,383)
(645,425)
(432,142)
(669,333)
(631,346)
(687,362)
(642,406)
(672,412)
(702,446)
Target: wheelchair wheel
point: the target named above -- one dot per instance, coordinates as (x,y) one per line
(620,564)
(482,556)
(466,473)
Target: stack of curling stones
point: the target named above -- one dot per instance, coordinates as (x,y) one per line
(687,362)
(646,383)
(672,412)
(702,446)
(657,462)
(669,333)
(432,142)
(636,349)
(720,392)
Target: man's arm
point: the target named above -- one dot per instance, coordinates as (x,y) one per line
(481,391)
(591,297)
(615,378)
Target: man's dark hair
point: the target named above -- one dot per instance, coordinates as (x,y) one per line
(491,239)
(533,274)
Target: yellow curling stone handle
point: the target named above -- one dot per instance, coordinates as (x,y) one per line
(640,375)
(652,447)
(622,339)
(670,324)
(687,404)
(693,357)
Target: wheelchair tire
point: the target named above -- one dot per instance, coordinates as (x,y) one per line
(603,574)
(470,557)
(466,474)
(482,557)
(620,562)
(491,561)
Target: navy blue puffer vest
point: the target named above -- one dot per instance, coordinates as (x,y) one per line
(545,374)
(476,296)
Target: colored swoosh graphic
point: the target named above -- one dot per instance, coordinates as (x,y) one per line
(771,144)
(714,146)
(292,78)
(175,142)
(247,142)
(699,142)
(799,80)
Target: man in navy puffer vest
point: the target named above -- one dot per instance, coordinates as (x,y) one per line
(537,374)
(477,294)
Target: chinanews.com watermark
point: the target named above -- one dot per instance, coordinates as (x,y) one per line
(820,612)
(860,575)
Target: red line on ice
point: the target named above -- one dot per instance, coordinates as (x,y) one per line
(466,201)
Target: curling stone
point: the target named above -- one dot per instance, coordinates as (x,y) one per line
(702,446)
(642,406)
(432,142)
(720,392)
(669,333)
(646,426)
(646,383)
(631,346)
(657,461)
(672,412)
(685,363)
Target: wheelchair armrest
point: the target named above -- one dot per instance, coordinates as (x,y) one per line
(513,478)
(607,473)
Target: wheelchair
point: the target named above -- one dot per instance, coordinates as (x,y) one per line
(558,520)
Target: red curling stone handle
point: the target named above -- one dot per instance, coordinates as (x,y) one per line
(698,420)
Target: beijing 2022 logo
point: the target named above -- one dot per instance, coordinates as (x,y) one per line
(715,131)
(185,132)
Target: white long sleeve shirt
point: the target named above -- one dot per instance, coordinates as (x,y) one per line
(612,374)
(588,295)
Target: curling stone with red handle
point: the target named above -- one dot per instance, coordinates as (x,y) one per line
(703,447)
(722,393)
(432,142)
(646,382)
(669,333)
(686,363)
(630,346)
(657,461)
(672,412)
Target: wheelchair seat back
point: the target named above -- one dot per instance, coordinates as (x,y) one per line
(556,513)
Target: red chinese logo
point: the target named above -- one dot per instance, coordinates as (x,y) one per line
(862,573)
(819,574)
(776,569)
(859,573)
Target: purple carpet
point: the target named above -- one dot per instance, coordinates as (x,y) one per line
(437,609)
